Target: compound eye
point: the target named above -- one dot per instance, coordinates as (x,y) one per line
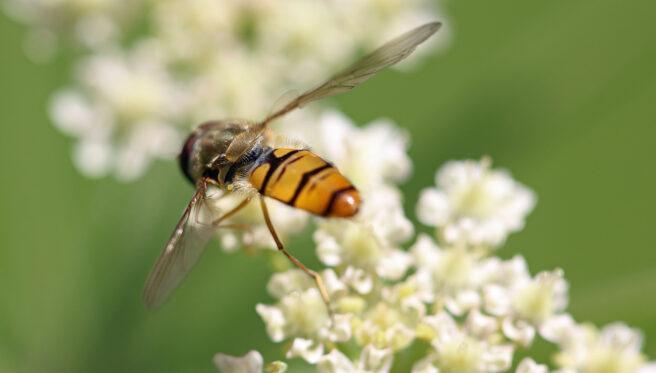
(185,156)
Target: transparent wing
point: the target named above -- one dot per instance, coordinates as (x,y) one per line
(182,251)
(359,72)
(284,100)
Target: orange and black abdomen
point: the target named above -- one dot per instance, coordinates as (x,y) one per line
(302,179)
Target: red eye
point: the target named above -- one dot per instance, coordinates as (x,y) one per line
(185,155)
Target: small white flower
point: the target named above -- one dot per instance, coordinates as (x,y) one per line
(523,303)
(290,28)
(372,360)
(94,157)
(407,297)
(335,362)
(250,363)
(616,348)
(541,298)
(445,276)
(481,326)
(305,312)
(358,279)
(528,365)
(235,84)
(301,314)
(375,360)
(505,273)
(274,320)
(135,84)
(561,329)
(76,115)
(147,141)
(470,348)
(308,349)
(518,330)
(386,326)
(425,365)
(475,205)
(284,283)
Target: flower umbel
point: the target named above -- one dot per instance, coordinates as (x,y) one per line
(471,310)
(475,205)
(301,314)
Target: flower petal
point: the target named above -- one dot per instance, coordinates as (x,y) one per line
(308,349)
(376,360)
(249,363)
(335,362)
(528,365)
(274,320)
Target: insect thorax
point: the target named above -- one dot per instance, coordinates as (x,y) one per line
(209,143)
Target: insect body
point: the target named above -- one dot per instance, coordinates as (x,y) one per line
(296,177)
(239,155)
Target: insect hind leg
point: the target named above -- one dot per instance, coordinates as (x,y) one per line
(315,276)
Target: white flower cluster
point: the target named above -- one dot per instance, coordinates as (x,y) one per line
(135,96)
(467,310)
(474,205)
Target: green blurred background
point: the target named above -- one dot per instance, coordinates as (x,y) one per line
(562,93)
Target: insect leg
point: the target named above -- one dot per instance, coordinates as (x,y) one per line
(228,214)
(311,273)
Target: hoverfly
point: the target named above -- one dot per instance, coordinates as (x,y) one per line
(238,155)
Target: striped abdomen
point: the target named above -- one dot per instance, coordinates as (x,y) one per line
(302,179)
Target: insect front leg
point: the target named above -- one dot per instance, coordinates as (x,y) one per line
(315,276)
(217,222)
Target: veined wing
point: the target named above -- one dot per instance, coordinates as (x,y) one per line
(182,251)
(359,72)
